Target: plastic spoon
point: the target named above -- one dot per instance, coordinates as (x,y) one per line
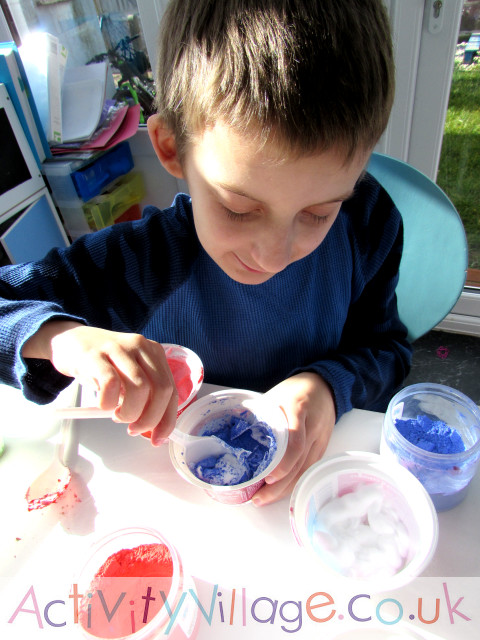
(54,480)
(195,447)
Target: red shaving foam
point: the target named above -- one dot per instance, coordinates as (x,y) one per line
(140,562)
(126,591)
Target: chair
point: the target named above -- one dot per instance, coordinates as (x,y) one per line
(434,263)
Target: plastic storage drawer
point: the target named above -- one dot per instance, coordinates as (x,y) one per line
(104,210)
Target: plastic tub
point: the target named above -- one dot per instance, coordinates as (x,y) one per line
(175,353)
(223,404)
(127,619)
(446,476)
(91,179)
(118,197)
(344,475)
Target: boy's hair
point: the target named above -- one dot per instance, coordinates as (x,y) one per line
(305,74)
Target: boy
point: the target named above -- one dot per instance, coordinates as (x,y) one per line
(280,271)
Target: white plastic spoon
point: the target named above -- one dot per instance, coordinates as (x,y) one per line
(54,480)
(196,447)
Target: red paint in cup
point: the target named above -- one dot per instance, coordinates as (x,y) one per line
(187,371)
(132,581)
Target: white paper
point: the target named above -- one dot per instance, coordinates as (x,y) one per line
(83,97)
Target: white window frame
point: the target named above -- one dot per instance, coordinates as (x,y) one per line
(5,35)
(151,12)
(434,76)
(425,51)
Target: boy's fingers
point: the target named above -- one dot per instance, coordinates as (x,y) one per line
(161,411)
(272,492)
(129,372)
(107,382)
(295,453)
(166,424)
(136,386)
(162,400)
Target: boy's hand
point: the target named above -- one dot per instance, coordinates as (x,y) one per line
(308,403)
(130,373)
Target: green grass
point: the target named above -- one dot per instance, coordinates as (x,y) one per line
(459,170)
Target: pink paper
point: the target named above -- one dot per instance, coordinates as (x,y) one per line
(128,127)
(106,135)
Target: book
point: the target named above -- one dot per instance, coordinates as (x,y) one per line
(13,76)
(83,97)
(43,57)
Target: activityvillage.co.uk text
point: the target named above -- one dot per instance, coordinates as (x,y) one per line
(236,607)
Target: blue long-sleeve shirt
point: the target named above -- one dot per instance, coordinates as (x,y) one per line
(333,312)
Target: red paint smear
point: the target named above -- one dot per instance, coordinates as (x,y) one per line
(131,572)
(182,376)
(48,498)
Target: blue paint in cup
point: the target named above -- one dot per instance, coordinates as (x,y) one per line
(446,476)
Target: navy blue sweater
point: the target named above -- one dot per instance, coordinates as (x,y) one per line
(333,312)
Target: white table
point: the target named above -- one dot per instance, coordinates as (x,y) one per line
(249,552)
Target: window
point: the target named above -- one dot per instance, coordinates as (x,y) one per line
(424,77)
(92,30)
(459,167)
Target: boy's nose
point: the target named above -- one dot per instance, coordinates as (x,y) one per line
(274,250)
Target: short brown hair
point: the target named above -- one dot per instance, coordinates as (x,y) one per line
(307,74)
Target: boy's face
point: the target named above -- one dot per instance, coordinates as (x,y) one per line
(254,214)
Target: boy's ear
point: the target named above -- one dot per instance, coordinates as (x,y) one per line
(165,145)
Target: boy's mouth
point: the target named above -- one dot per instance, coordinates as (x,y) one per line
(245,266)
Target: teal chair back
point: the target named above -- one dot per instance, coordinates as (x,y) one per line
(435,255)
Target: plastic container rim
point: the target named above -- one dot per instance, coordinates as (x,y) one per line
(377,462)
(162,617)
(189,356)
(243,396)
(431,389)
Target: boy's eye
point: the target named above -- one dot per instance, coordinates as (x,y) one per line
(318,219)
(315,218)
(235,215)
(242,216)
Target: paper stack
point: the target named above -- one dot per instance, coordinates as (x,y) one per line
(90,121)
(117,122)
(75,118)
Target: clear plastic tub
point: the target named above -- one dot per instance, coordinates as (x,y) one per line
(103,210)
(446,476)
(223,404)
(126,620)
(328,480)
(175,353)
(90,180)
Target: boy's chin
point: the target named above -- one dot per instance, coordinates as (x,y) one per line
(251,278)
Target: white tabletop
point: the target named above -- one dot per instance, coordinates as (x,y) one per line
(250,553)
